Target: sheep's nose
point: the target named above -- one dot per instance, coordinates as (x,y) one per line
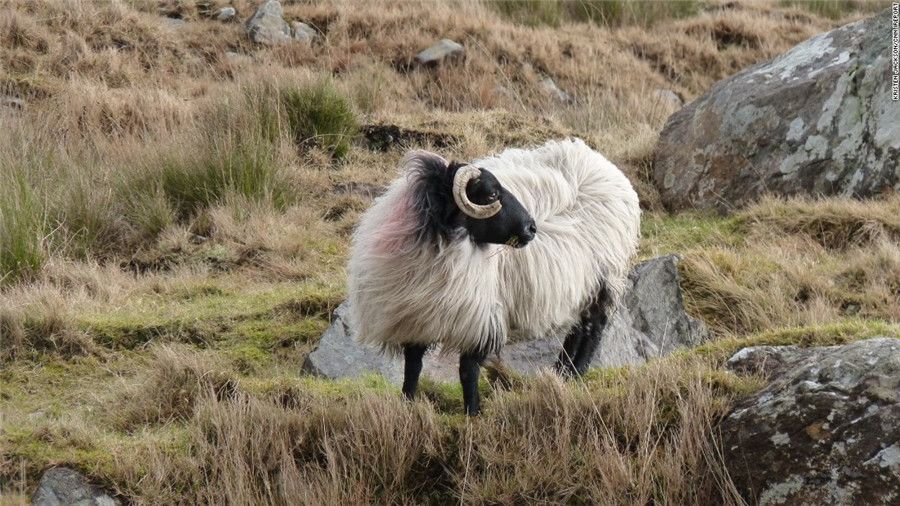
(528,233)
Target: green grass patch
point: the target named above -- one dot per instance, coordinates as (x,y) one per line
(318,114)
(601,12)
(111,458)
(296,390)
(230,166)
(830,334)
(23,227)
(446,397)
(43,447)
(261,332)
(662,234)
(836,9)
(207,315)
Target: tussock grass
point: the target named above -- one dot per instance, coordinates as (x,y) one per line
(795,262)
(601,12)
(833,224)
(40,328)
(645,435)
(171,386)
(233,153)
(835,9)
(23,227)
(319,114)
(627,435)
(230,167)
(374,449)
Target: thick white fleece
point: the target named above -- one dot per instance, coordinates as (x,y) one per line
(465,297)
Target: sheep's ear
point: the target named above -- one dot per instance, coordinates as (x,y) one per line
(419,157)
(453,165)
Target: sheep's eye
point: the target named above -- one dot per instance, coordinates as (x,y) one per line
(494,196)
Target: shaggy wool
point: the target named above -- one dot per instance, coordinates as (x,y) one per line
(466,297)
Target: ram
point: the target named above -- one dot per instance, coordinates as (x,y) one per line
(518,246)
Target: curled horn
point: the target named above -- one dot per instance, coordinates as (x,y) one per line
(463,175)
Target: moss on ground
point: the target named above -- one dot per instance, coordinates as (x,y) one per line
(662,234)
(265,318)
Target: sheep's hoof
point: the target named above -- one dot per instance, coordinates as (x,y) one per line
(566,369)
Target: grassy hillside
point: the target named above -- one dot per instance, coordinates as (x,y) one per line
(175,208)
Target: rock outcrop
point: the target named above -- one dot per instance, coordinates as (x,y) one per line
(267,25)
(61,486)
(651,323)
(825,431)
(817,120)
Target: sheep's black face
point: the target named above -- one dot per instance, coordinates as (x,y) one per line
(511,225)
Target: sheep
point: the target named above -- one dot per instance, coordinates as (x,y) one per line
(517,246)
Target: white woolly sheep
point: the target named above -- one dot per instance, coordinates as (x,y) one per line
(441,257)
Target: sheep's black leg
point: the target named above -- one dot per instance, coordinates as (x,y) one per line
(581,342)
(412,367)
(592,326)
(565,366)
(469,370)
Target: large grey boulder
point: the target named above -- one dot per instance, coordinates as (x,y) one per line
(267,25)
(817,120)
(825,431)
(61,486)
(651,323)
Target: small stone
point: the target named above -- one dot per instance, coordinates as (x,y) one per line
(226,14)
(445,49)
(503,91)
(60,486)
(267,25)
(303,32)
(174,22)
(550,87)
(12,102)
(231,55)
(668,97)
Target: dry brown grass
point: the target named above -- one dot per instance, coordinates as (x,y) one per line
(171,386)
(632,436)
(800,262)
(43,327)
(834,224)
(643,440)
